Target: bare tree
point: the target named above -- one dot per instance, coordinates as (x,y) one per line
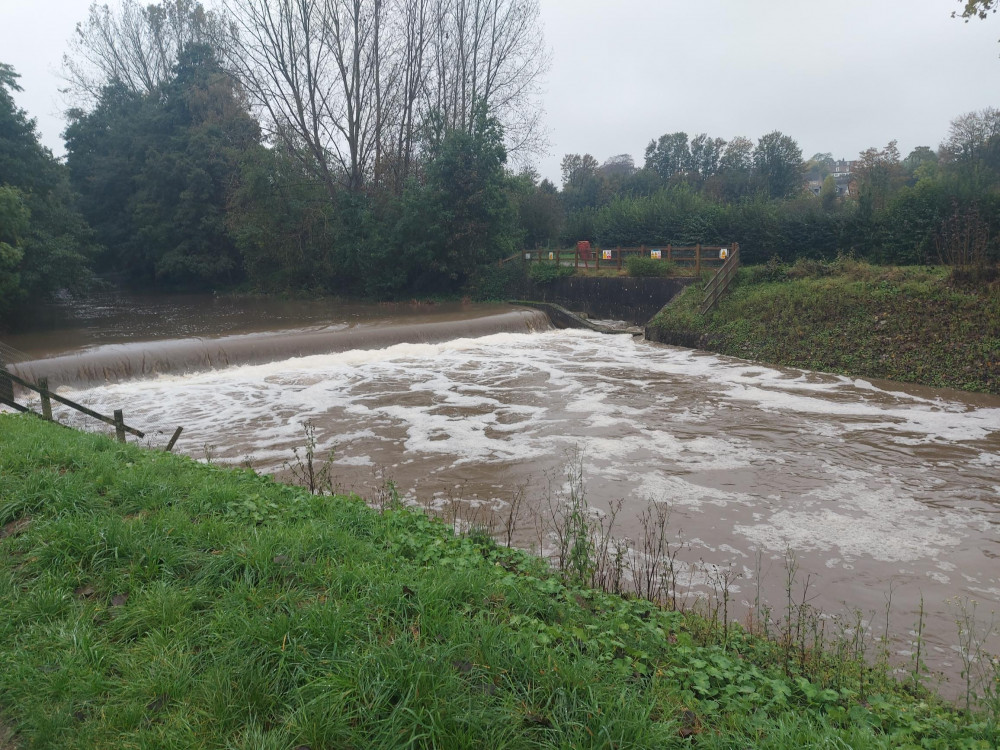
(412,40)
(323,77)
(490,51)
(134,45)
(354,29)
(347,84)
(281,52)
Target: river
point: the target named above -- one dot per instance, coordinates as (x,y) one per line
(872,487)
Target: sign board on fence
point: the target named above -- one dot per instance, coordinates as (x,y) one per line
(654,254)
(552,256)
(607,255)
(723,253)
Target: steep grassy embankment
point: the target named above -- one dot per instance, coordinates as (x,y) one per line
(896,323)
(150,601)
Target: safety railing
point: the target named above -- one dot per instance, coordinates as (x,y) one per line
(720,282)
(693,257)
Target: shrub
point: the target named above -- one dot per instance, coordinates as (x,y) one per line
(637,265)
(545,272)
(492,283)
(773,270)
(808,268)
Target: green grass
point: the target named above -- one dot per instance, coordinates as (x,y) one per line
(546,271)
(905,324)
(637,265)
(149,601)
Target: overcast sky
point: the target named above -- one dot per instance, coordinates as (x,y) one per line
(837,76)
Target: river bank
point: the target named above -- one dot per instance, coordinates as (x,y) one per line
(907,324)
(150,599)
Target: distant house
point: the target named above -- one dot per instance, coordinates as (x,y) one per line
(843,175)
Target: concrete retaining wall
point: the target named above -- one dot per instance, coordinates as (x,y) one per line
(634,300)
(687,339)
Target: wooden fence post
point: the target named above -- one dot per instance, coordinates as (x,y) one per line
(177,434)
(697,259)
(119,426)
(43,392)
(6,384)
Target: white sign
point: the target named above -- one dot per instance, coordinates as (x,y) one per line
(552,256)
(723,254)
(654,254)
(607,255)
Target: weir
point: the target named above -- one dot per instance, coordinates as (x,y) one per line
(118,362)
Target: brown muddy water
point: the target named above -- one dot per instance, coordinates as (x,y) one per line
(874,487)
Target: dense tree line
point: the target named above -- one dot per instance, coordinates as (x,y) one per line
(364,147)
(355,146)
(887,208)
(45,244)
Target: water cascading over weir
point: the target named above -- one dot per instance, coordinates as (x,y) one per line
(111,363)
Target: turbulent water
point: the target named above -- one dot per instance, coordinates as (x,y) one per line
(873,487)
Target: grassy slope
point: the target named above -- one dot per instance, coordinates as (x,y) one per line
(150,601)
(904,324)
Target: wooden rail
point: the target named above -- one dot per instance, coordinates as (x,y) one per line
(8,379)
(693,256)
(719,283)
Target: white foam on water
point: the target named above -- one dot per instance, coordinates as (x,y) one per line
(678,491)
(856,521)
(645,418)
(919,419)
(354,461)
(993,591)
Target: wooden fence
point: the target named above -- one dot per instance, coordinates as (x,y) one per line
(719,283)
(7,397)
(693,257)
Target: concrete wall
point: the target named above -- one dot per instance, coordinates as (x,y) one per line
(688,339)
(635,300)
